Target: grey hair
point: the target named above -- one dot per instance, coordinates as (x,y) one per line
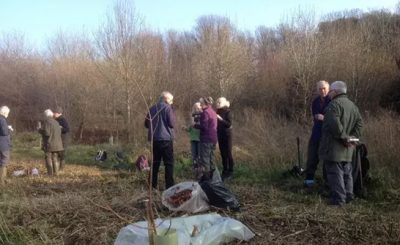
(4,111)
(48,113)
(322,83)
(223,102)
(339,87)
(166,96)
(195,107)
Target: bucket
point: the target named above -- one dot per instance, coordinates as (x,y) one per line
(165,237)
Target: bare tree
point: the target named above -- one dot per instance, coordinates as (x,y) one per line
(301,47)
(222,63)
(71,77)
(117,46)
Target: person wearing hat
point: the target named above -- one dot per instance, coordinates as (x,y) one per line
(208,139)
(58,115)
(342,122)
(160,122)
(5,142)
(51,142)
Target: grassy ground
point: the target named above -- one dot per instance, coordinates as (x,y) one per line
(89,203)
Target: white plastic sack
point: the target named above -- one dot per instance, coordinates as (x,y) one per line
(17,173)
(198,201)
(35,172)
(211,229)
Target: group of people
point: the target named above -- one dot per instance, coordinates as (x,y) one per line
(337,122)
(208,127)
(337,126)
(54,131)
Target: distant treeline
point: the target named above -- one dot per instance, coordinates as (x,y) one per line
(105,80)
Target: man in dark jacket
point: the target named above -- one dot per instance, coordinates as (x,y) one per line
(64,134)
(341,127)
(208,138)
(51,142)
(160,122)
(4,143)
(317,108)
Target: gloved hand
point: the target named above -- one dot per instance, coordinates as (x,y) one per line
(10,128)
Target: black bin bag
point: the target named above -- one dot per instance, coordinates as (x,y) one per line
(219,196)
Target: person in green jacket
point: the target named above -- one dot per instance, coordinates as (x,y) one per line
(194,133)
(341,128)
(51,142)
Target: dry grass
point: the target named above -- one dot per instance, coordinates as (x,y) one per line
(88,205)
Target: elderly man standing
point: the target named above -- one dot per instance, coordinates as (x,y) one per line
(160,122)
(317,108)
(51,142)
(342,123)
(4,142)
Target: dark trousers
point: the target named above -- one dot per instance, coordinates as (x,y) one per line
(340,181)
(195,149)
(61,158)
(163,150)
(225,147)
(61,154)
(52,163)
(313,160)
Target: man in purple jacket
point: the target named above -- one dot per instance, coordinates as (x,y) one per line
(208,138)
(161,132)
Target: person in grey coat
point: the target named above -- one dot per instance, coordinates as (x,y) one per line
(341,127)
(5,142)
(51,142)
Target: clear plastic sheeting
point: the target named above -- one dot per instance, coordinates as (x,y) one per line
(198,201)
(206,229)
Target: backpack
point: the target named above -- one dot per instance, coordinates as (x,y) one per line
(361,167)
(142,164)
(101,155)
